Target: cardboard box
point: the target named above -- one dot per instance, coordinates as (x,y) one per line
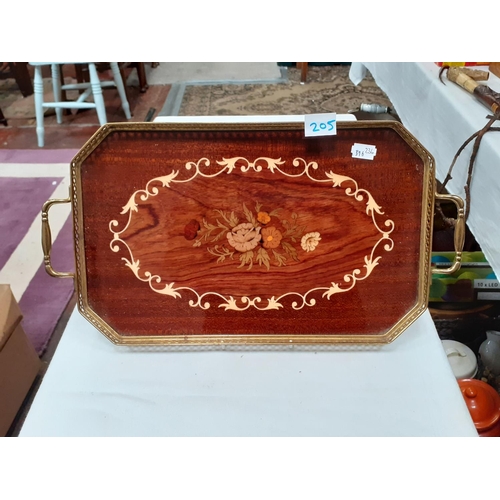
(475,280)
(19,363)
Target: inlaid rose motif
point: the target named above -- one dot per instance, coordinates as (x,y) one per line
(271,237)
(310,241)
(244,237)
(191,229)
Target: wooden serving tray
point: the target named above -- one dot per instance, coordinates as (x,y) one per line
(202,234)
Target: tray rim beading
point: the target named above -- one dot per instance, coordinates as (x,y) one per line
(428,190)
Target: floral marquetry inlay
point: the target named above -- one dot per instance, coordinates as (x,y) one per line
(254,235)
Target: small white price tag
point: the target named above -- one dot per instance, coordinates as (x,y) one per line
(363,151)
(321,124)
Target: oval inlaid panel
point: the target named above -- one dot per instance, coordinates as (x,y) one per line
(235,233)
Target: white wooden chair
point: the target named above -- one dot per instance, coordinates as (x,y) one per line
(94,89)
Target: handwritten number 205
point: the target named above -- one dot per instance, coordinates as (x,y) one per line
(322,126)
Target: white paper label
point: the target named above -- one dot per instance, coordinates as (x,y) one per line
(488,296)
(487,284)
(321,124)
(363,151)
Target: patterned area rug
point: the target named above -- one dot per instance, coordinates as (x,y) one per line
(328,89)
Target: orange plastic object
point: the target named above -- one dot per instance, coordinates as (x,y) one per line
(484,406)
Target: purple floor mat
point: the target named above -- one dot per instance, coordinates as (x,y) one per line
(21,200)
(45,299)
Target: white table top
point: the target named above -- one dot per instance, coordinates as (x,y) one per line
(94,388)
(244,119)
(442,117)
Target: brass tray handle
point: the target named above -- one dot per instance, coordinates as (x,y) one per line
(47,239)
(459,238)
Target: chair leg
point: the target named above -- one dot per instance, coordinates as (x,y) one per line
(56,85)
(38,87)
(117,77)
(95,84)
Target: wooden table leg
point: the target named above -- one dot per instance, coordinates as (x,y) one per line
(21,74)
(3,119)
(82,76)
(303,73)
(122,68)
(141,73)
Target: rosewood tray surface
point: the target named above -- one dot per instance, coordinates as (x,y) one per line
(199,234)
